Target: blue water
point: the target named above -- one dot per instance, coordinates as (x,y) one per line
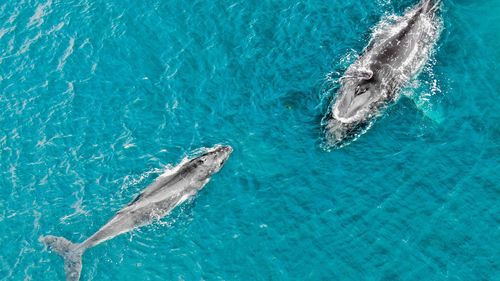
(97,97)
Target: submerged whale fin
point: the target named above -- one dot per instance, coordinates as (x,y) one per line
(429,111)
(433,112)
(70,252)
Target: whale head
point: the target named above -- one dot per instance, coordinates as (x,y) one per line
(357,101)
(356,98)
(211,161)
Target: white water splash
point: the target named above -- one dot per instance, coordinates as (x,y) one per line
(67,53)
(40,12)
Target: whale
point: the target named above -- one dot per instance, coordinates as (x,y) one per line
(398,49)
(154,202)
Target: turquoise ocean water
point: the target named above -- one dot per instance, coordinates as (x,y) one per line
(97,97)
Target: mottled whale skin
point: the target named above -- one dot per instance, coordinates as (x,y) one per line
(398,49)
(154,202)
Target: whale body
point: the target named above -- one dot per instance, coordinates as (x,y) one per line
(399,48)
(154,202)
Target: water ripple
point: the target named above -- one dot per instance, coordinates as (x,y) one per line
(98,97)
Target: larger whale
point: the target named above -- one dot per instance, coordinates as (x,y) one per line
(398,49)
(154,202)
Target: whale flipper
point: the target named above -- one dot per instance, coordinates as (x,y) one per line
(70,252)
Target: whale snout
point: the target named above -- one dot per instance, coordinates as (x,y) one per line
(221,153)
(336,133)
(339,134)
(226,149)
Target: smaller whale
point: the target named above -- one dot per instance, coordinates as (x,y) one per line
(154,202)
(399,48)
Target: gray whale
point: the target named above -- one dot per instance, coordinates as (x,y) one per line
(398,49)
(154,202)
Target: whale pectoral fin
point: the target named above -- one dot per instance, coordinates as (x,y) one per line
(430,111)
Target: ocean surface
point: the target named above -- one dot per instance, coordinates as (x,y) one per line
(98,97)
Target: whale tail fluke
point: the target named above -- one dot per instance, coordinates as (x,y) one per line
(70,252)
